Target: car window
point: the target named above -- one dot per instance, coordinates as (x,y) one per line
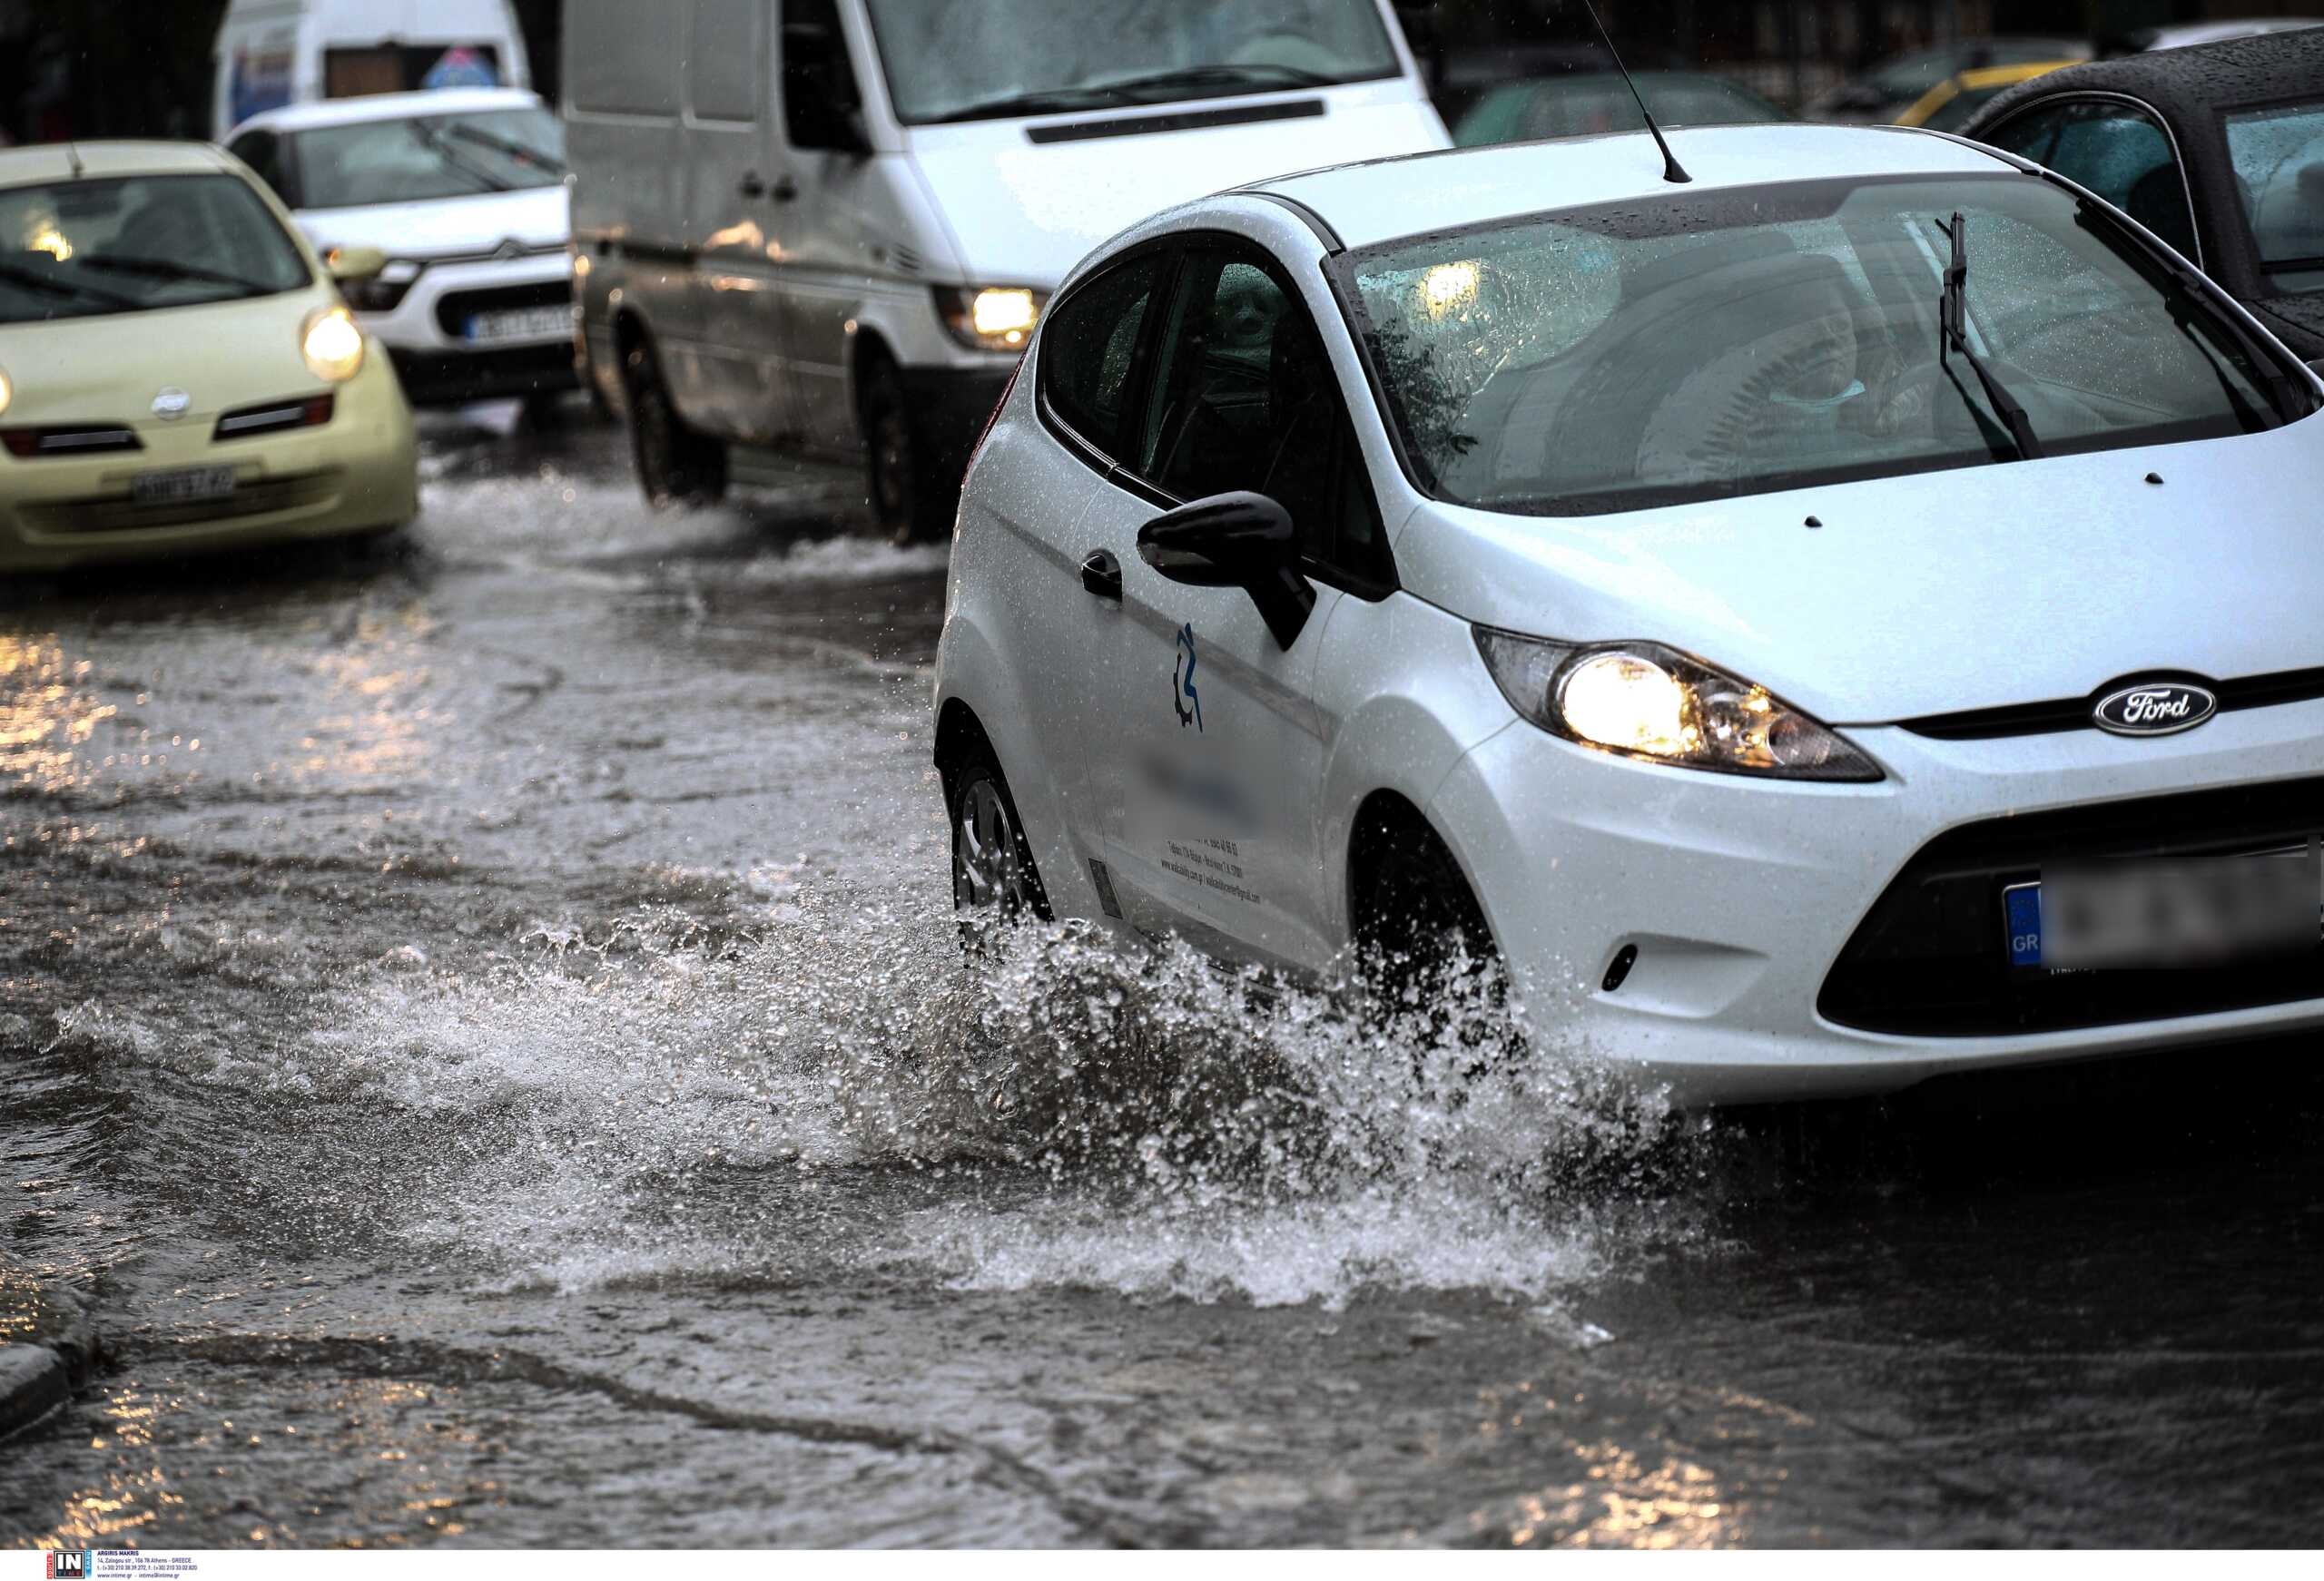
(261,151)
(420,158)
(1245,398)
(1728,343)
(2117,151)
(2279,159)
(1089,346)
(75,250)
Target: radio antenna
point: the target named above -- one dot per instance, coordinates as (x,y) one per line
(1672,170)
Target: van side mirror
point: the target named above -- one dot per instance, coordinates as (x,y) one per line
(1234,540)
(821,106)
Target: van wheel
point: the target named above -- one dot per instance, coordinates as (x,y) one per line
(910,503)
(676,465)
(994,881)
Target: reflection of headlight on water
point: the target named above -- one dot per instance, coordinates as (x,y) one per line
(1213,795)
(1448,287)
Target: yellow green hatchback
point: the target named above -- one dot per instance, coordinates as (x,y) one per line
(177,371)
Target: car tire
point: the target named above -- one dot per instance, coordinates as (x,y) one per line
(913,503)
(1423,943)
(676,465)
(995,883)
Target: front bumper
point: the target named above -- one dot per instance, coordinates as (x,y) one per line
(358,473)
(427,330)
(1740,895)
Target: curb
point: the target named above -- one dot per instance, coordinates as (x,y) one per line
(39,1372)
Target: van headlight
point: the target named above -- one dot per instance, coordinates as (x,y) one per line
(333,345)
(994,319)
(1646,700)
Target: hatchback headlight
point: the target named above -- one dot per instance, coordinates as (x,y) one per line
(1645,700)
(8,390)
(333,345)
(995,319)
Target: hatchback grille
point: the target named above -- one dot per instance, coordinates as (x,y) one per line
(274,416)
(2067,714)
(84,439)
(119,513)
(1931,957)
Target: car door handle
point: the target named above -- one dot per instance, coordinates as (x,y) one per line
(1101,574)
(786,189)
(750,186)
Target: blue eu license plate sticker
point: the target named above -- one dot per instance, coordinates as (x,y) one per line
(2021,906)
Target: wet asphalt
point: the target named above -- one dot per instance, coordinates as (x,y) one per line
(481,1032)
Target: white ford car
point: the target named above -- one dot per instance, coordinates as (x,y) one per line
(1846,617)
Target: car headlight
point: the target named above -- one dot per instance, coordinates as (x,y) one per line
(1646,700)
(8,390)
(994,319)
(333,345)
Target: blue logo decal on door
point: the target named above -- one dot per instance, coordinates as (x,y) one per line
(1184,699)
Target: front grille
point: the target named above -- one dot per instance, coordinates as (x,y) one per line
(273,417)
(2065,714)
(84,439)
(1931,957)
(454,309)
(118,513)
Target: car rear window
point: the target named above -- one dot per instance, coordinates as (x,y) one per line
(83,248)
(2279,159)
(1653,352)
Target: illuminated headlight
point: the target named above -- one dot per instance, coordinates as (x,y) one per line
(8,390)
(1645,700)
(333,345)
(995,319)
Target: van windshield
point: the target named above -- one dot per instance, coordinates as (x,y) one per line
(83,248)
(1652,353)
(416,158)
(947,61)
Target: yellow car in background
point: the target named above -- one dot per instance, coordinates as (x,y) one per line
(1948,106)
(177,371)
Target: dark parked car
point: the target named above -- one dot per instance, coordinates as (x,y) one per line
(2217,149)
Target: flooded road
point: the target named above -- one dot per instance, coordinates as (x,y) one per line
(482,1033)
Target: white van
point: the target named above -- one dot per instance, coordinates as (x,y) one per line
(273,52)
(831,225)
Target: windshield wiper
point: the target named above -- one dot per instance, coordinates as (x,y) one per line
(1953,335)
(1253,77)
(1040,103)
(32,278)
(169,269)
(431,136)
(506,147)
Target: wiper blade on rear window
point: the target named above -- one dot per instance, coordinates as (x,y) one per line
(1048,101)
(169,269)
(1953,335)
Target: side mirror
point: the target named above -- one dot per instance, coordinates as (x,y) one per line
(1234,540)
(355,263)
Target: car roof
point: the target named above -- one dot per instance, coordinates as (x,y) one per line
(2186,84)
(385,107)
(1381,199)
(56,161)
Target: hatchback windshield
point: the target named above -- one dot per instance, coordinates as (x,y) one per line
(2279,158)
(947,61)
(1649,353)
(75,250)
(419,157)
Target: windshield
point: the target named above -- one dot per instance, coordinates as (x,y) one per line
(1649,353)
(76,250)
(423,157)
(947,60)
(2279,159)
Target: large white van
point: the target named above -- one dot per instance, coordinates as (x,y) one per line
(273,52)
(830,225)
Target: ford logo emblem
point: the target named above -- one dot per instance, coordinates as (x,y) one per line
(172,404)
(2154,707)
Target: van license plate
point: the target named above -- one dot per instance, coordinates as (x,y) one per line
(182,484)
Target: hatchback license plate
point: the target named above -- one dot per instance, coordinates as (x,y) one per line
(518,324)
(2212,912)
(182,484)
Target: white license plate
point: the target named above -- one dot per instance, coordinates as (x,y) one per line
(518,324)
(2212,912)
(182,484)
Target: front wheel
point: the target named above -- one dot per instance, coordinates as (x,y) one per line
(911,502)
(994,882)
(676,465)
